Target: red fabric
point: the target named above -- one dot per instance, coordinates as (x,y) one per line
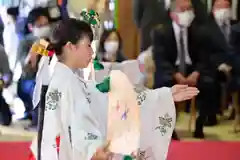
(204,150)
(50,53)
(31,157)
(58,143)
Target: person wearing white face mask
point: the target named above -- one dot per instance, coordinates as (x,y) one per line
(222,19)
(39,26)
(42,31)
(181,54)
(110,46)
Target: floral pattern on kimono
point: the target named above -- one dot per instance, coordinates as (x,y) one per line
(165,122)
(52,99)
(141,94)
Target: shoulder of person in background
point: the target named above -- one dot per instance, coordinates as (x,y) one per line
(120,57)
(236,28)
(160,31)
(5,71)
(143,54)
(4,65)
(24,47)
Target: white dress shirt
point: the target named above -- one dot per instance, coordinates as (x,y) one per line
(177,30)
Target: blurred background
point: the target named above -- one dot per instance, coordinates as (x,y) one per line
(208,127)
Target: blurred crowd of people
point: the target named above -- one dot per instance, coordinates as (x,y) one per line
(18,36)
(184,41)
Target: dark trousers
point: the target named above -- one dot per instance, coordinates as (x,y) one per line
(41,110)
(5,111)
(206,100)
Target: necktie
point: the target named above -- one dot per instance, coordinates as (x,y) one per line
(182,65)
(225,31)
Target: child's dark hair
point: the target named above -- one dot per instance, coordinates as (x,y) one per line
(14,12)
(70,30)
(36,13)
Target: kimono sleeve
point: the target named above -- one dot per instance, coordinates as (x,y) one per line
(86,137)
(158,121)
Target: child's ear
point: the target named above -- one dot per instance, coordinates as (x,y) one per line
(69,45)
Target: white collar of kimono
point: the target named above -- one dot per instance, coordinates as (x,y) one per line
(63,69)
(67,72)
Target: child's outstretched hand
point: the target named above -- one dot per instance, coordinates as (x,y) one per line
(102,153)
(183,92)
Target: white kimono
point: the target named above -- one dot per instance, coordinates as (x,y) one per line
(69,115)
(158,113)
(77,112)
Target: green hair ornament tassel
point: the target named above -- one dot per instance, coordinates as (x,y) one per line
(91,17)
(97,65)
(127,158)
(104,86)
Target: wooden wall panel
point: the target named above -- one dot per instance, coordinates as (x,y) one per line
(128,29)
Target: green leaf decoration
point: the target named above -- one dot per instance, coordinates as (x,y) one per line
(92,13)
(104,87)
(93,21)
(91,17)
(127,158)
(97,65)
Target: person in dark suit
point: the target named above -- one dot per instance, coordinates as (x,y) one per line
(182,51)
(219,22)
(235,51)
(149,13)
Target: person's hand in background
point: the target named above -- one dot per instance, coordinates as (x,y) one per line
(193,78)
(180,78)
(224,68)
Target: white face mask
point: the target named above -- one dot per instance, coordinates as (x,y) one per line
(41,31)
(222,15)
(111,47)
(185,18)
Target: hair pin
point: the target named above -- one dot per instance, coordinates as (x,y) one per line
(91,17)
(40,48)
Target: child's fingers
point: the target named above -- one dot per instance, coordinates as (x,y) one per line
(106,146)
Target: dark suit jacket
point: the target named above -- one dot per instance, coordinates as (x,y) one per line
(220,42)
(201,49)
(235,48)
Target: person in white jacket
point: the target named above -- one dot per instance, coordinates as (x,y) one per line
(10,36)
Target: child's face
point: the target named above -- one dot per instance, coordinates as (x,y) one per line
(82,52)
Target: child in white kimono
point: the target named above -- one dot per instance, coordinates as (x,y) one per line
(74,126)
(68,114)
